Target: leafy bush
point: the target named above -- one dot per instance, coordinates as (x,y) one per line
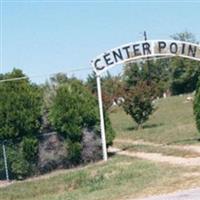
(20,167)
(73,108)
(74,152)
(29,147)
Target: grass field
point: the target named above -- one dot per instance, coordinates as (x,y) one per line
(172,123)
(125,177)
(119,178)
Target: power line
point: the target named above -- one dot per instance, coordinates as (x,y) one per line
(26,77)
(14,79)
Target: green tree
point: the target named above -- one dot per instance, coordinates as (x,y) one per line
(155,73)
(184,36)
(20,121)
(185,72)
(20,107)
(177,74)
(138,102)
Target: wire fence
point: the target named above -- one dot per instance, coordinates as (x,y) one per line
(9,150)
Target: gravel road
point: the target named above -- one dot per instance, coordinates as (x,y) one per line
(192,194)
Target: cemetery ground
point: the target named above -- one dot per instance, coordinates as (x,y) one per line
(162,157)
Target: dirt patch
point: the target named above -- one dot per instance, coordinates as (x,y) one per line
(194,148)
(192,174)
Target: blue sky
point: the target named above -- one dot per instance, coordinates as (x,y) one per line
(45,37)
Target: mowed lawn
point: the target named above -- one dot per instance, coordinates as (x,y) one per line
(125,177)
(172,123)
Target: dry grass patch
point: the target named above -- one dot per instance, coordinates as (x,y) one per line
(111,180)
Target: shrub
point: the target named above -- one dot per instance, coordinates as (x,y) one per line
(74,109)
(74,152)
(30,149)
(20,167)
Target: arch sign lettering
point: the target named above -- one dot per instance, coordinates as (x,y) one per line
(139,50)
(136,51)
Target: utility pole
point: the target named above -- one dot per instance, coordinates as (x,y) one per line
(149,78)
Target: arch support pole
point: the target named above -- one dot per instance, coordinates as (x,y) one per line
(102,124)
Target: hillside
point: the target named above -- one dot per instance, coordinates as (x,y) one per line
(172,123)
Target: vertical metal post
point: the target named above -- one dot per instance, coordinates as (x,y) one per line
(145,35)
(5,162)
(103,137)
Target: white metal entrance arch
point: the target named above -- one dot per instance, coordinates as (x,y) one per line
(136,51)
